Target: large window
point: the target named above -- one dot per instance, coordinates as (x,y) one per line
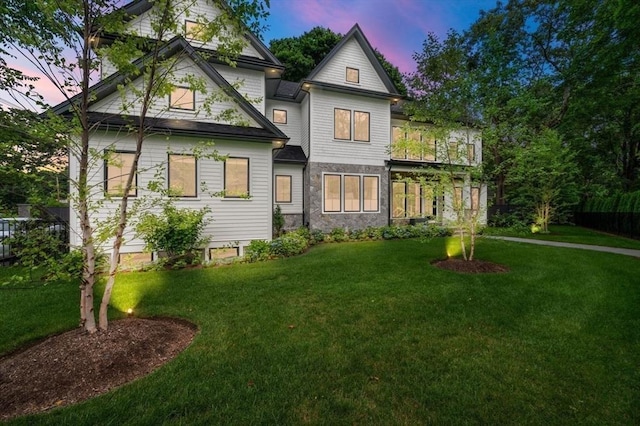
(236,177)
(182,175)
(283,189)
(351,193)
(412,200)
(182,98)
(342,124)
(414,146)
(342,119)
(117,167)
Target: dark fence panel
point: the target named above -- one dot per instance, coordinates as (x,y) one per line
(627,224)
(10,228)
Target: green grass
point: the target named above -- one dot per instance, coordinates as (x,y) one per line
(573,234)
(380,337)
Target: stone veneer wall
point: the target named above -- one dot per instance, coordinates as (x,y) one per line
(327,221)
(292,221)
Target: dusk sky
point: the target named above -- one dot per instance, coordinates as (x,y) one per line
(395,27)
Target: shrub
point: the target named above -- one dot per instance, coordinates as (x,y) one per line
(177,232)
(338,235)
(278,221)
(257,250)
(289,244)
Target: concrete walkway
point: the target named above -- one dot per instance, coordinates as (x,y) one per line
(617,250)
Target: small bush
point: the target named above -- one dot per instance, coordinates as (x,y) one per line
(338,235)
(289,244)
(257,250)
(278,221)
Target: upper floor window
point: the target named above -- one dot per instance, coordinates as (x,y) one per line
(342,125)
(353,75)
(414,145)
(471,153)
(182,98)
(182,175)
(283,189)
(280,116)
(117,167)
(236,177)
(194,30)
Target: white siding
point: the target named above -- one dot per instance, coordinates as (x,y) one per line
(351,55)
(187,10)
(251,83)
(305,130)
(113,103)
(295,171)
(233,219)
(326,149)
(293,128)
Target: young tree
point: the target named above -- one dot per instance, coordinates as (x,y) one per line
(79,27)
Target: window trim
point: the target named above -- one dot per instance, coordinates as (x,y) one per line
(224,178)
(346,75)
(274,116)
(275,197)
(177,108)
(106,174)
(195,175)
(335,110)
(368,126)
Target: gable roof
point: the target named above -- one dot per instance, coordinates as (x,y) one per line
(356,34)
(175,46)
(138,7)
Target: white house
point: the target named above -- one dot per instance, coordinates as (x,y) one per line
(318,148)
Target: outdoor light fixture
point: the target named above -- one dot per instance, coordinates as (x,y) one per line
(277,144)
(130,312)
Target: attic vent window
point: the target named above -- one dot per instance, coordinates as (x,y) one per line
(194,30)
(182,98)
(280,116)
(353,75)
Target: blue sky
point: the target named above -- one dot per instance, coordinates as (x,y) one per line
(395,27)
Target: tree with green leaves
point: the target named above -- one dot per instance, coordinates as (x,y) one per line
(76,26)
(301,54)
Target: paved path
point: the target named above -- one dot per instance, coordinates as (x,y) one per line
(627,252)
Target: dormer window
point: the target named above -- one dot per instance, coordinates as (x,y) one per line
(182,98)
(193,30)
(280,116)
(353,75)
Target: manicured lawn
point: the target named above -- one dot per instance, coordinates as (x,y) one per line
(573,234)
(371,333)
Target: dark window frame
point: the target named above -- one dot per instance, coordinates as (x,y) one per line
(335,110)
(274,116)
(108,152)
(290,190)
(324,192)
(368,126)
(377,179)
(224,178)
(195,169)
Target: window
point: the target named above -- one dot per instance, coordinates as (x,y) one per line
(236,177)
(457,198)
(182,98)
(332,184)
(224,253)
(351,193)
(471,153)
(194,30)
(342,124)
(182,175)
(430,149)
(361,126)
(117,167)
(353,75)
(283,189)
(411,199)
(453,151)
(280,116)
(397,150)
(475,198)
(414,150)
(370,184)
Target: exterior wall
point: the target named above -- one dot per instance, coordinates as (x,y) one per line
(305,131)
(351,55)
(234,220)
(251,84)
(113,104)
(327,221)
(190,11)
(293,127)
(327,149)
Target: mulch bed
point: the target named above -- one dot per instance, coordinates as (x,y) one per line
(469,266)
(74,366)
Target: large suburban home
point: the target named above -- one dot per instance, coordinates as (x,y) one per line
(321,149)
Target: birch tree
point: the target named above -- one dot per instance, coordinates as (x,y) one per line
(72,29)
